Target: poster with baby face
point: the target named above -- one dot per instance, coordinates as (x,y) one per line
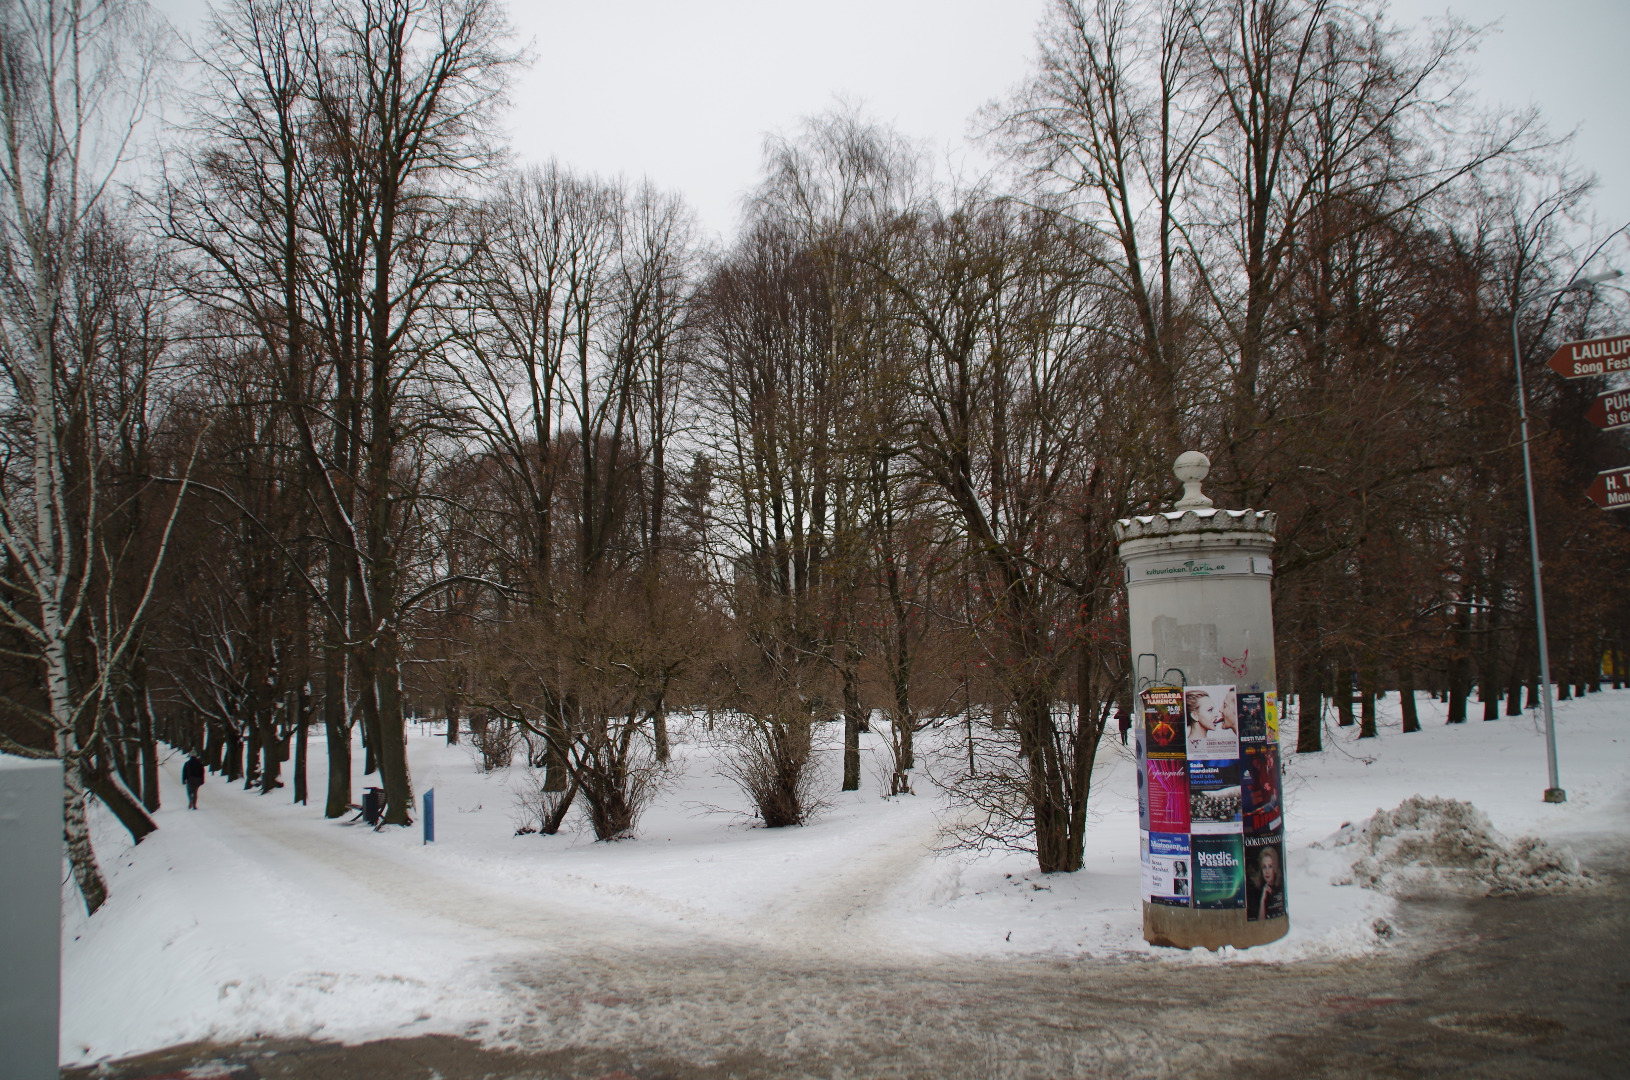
(1211,717)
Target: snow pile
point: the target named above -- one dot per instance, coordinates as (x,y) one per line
(1428,846)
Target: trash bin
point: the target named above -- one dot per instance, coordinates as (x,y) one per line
(373,805)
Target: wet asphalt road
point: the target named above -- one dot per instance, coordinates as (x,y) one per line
(1488,988)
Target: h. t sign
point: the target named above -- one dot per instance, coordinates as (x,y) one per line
(1611,489)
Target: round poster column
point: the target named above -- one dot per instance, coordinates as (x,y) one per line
(1198,589)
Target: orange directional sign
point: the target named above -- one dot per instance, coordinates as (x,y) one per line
(1611,489)
(1610,411)
(1597,356)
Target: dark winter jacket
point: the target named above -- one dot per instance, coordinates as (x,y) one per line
(192,773)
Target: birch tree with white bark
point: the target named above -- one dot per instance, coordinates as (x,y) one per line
(76,78)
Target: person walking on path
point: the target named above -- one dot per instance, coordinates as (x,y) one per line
(192,778)
(1124,721)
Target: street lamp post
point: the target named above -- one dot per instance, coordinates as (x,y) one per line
(1553,793)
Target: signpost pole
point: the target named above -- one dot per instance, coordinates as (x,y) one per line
(1553,793)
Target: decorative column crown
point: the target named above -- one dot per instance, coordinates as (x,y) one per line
(1195,512)
(1191,468)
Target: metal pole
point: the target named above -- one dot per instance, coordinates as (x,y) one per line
(1553,793)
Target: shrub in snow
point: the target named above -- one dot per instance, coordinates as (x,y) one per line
(492,743)
(1426,846)
(770,755)
(616,774)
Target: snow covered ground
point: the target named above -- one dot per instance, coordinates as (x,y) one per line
(252,916)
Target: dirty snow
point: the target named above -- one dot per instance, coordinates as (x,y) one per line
(1430,847)
(253,916)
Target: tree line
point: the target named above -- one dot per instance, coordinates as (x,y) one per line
(335,417)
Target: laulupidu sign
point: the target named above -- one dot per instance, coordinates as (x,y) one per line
(1610,412)
(1593,356)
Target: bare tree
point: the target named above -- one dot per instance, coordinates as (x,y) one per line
(75,77)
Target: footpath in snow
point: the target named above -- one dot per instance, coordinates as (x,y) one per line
(256,917)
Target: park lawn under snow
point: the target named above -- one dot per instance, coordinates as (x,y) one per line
(256,917)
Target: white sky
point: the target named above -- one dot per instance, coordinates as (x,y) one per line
(684,91)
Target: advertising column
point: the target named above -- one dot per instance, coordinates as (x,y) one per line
(1199,604)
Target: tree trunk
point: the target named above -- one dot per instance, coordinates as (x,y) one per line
(1406,697)
(149,756)
(76,832)
(1344,694)
(1490,680)
(851,728)
(1514,679)
(558,731)
(1309,709)
(393,770)
(117,798)
(1366,695)
(1050,815)
(251,758)
(1458,693)
(659,729)
(300,744)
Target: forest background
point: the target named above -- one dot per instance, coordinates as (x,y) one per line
(338,418)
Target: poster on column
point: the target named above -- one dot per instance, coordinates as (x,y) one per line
(1168,795)
(1264,877)
(1219,871)
(1169,880)
(1144,884)
(1143,781)
(1214,799)
(1163,721)
(1253,717)
(1271,707)
(1211,714)
(1259,790)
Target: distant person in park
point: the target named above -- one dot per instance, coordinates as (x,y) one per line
(192,778)
(1124,721)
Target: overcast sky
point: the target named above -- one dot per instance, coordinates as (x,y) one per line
(684,91)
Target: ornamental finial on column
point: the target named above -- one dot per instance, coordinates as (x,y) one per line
(1191,468)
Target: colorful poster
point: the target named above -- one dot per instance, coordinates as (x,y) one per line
(1259,789)
(1272,710)
(1143,791)
(1219,871)
(1163,721)
(1169,880)
(1264,877)
(1253,717)
(1168,795)
(1144,885)
(1214,802)
(1211,714)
